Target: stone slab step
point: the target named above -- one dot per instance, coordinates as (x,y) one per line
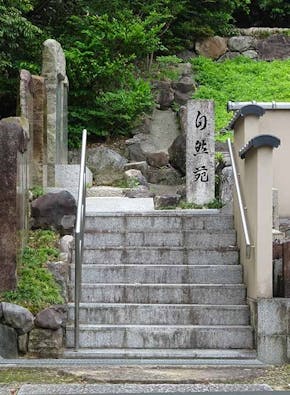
(186,354)
(161,255)
(161,314)
(158,222)
(157,274)
(193,239)
(161,336)
(163,293)
(117,204)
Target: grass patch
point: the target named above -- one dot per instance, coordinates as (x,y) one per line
(240,79)
(183,205)
(36,287)
(35,376)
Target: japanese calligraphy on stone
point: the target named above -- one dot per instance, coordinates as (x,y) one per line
(200,177)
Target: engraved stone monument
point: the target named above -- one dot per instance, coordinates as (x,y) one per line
(54,73)
(13,196)
(200,148)
(33,108)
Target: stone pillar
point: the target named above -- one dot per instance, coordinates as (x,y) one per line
(13,197)
(200,148)
(26,111)
(39,131)
(258,184)
(54,73)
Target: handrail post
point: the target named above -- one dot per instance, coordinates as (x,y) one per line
(79,237)
(240,201)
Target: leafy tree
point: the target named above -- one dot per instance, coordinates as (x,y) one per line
(106,93)
(19,40)
(271,13)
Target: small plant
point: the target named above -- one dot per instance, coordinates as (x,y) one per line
(133,182)
(215,204)
(36,288)
(37,191)
(219,157)
(168,60)
(124,183)
(193,206)
(189,206)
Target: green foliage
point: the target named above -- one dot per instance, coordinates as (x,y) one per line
(240,79)
(271,13)
(37,191)
(168,60)
(165,67)
(19,42)
(106,93)
(189,206)
(36,287)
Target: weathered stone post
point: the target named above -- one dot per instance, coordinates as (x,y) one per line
(200,148)
(14,139)
(33,108)
(54,73)
(39,131)
(26,94)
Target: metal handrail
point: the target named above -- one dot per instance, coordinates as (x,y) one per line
(79,237)
(240,201)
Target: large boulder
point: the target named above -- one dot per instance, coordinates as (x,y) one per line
(17,317)
(212,47)
(182,98)
(274,47)
(55,211)
(142,166)
(157,159)
(241,43)
(134,178)
(163,130)
(185,84)
(165,96)
(106,165)
(51,318)
(251,53)
(166,175)
(177,153)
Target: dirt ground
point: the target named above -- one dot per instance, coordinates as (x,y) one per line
(277,377)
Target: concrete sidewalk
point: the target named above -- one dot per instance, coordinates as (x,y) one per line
(64,389)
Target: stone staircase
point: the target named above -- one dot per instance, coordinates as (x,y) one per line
(161,284)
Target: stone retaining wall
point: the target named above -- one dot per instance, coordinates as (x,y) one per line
(255,43)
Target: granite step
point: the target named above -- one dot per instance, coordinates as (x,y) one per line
(189,239)
(160,314)
(162,336)
(160,274)
(163,293)
(161,255)
(163,354)
(159,221)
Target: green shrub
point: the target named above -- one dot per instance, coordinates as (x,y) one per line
(36,287)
